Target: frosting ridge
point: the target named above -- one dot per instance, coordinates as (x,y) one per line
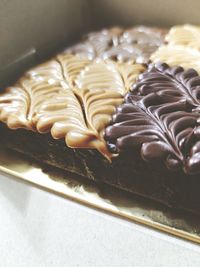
(187,35)
(160,117)
(70,96)
(135,44)
(178,55)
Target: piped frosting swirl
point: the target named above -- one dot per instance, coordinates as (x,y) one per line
(178,55)
(71,97)
(135,44)
(186,35)
(160,117)
(75,94)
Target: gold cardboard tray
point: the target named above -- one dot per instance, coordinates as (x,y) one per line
(105,198)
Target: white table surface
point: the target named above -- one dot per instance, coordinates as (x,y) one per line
(40,229)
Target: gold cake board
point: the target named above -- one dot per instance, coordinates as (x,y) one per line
(105,198)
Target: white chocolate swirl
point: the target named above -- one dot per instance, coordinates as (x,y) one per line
(187,35)
(177,55)
(71,97)
(99,75)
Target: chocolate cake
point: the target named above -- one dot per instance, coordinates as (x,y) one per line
(121,107)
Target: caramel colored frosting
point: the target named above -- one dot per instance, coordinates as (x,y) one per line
(178,55)
(70,96)
(187,35)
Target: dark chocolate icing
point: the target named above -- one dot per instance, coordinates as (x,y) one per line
(160,118)
(135,44)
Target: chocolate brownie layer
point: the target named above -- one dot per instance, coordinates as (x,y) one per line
(128,172)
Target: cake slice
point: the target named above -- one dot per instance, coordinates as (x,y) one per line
(101,112)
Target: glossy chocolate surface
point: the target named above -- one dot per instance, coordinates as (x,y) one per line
(160,118)
(135,44)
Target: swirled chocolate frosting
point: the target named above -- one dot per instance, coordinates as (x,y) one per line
(160,118)
(135,44)
(71,97)
(75,94)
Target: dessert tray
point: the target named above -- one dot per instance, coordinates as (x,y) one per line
(101,197)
